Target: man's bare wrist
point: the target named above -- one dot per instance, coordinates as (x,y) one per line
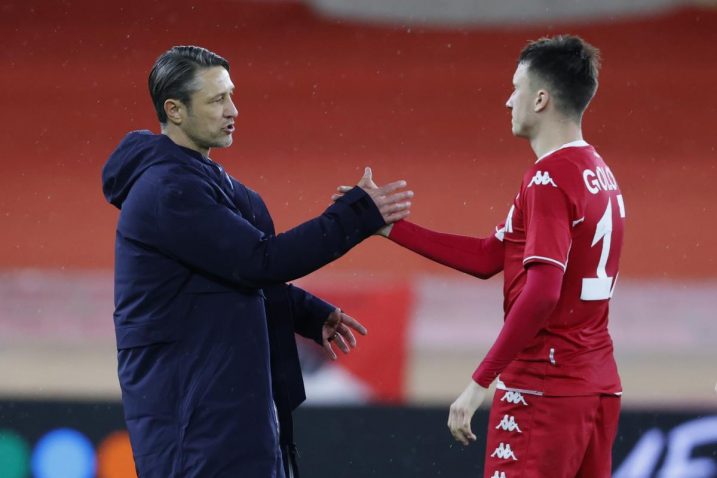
(385,231)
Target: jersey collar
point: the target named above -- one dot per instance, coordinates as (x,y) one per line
(573,144)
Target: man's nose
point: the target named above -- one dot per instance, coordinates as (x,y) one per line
(232,112)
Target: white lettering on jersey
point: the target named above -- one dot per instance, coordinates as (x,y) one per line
(601,179)
(542,179)
(508,424)
(499,474)
(504,452)
(514,398)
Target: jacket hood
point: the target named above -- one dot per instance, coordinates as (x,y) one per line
(136,152)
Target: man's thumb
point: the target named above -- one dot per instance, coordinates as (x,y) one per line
(367,174)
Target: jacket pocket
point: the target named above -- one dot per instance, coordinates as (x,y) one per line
(144,334)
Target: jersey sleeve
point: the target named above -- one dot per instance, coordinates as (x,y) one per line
(548,223)
(482,258)
(524,321)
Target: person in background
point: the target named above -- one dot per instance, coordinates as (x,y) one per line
(204,318)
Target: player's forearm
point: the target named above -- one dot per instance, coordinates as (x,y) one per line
(527,316)
(482,258)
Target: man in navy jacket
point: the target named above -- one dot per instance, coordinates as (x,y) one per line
(203,316)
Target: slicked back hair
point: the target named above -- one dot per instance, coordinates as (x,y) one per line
(174,72)
(569,67)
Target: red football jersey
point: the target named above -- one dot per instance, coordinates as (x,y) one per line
(569,213)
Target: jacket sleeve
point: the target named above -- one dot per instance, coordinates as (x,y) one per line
(307,312)
(310,313)
(196,228)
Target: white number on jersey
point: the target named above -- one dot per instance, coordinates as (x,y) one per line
(602,286)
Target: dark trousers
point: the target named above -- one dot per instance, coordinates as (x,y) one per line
(289,455)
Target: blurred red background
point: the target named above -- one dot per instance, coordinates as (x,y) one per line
(319,99)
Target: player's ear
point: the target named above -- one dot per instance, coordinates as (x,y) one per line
(542,98)
(173,109)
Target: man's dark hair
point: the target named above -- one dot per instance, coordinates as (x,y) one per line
(569,67)
(173,75)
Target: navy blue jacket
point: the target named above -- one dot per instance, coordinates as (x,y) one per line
(199,273)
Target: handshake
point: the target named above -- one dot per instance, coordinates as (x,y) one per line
(393,204)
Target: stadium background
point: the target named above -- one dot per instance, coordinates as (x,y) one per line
(324,87)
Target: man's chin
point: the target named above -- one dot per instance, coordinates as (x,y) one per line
(517,132)
(223,142)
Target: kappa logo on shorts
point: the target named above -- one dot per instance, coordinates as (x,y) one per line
(542,179)
(508,424)
(504,452)
(499,474)
(514,398)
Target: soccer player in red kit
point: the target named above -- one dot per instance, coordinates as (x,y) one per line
(557,400)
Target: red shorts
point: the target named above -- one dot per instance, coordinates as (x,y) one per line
(531,436)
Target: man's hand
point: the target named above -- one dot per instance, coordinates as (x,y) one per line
(393,207)
(337,329)
(462,410)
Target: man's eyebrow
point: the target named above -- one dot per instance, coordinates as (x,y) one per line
(223,93)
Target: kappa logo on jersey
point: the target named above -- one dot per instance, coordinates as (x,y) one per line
(542,179)
(499,474)
(514,398)
(508,424)
(504,452)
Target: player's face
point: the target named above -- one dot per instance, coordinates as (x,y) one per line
(521,103)
(209,120)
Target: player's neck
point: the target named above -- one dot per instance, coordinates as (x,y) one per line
(553,136)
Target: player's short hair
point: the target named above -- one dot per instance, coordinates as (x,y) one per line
(174,72)
(569,67)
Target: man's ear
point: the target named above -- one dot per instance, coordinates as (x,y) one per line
(174,110)
(542,98)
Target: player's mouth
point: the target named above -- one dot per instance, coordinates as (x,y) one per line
(228,129)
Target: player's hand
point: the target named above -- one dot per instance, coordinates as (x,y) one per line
(337,330)
(462,410)
(393,207)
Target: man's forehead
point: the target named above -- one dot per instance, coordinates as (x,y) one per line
(521,71)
